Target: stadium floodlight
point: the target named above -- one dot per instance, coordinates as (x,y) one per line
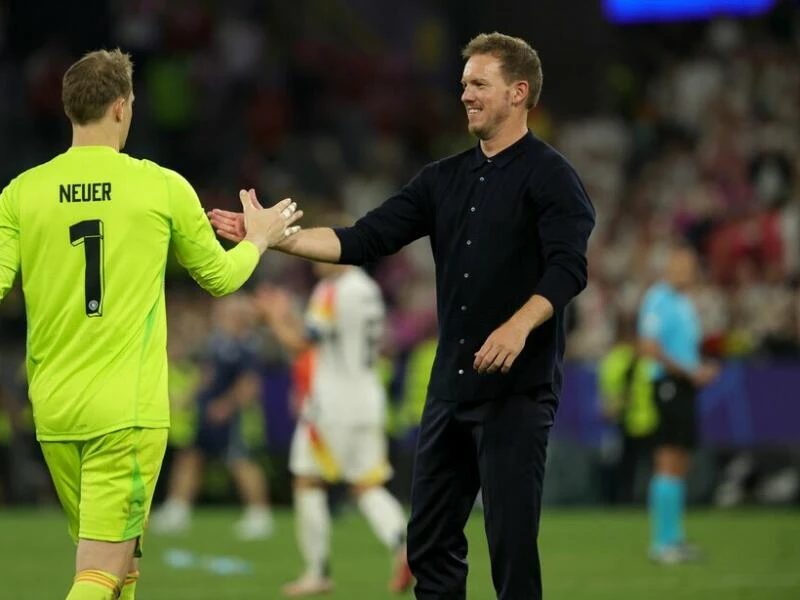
(647,11)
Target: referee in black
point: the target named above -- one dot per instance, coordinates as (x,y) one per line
(509,222)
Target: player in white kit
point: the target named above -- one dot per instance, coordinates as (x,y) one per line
(340,434)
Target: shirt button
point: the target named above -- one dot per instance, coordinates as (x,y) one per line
(466,275)
(469,242)
(472,209)
(463,307)
(482,179)
(461,371)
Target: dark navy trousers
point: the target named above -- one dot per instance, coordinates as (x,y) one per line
(498,446)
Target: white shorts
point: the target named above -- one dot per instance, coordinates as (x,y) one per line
(355,454)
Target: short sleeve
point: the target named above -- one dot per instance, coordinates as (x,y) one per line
(650,318)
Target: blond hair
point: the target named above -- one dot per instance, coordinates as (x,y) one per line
(95,81)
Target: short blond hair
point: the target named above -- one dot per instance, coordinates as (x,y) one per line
(95,81)
(518,60)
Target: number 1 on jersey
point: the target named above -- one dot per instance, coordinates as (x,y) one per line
(90,234)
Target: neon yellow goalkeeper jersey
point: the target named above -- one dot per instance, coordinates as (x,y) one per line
(90,232)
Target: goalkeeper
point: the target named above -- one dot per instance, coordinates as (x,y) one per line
(90,232)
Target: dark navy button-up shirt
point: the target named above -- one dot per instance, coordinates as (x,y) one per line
(501,230)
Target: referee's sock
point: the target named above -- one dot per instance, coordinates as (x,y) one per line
(94,585)
(666,511)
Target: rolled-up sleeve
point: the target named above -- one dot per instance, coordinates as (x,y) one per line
(565,221)
(401,219)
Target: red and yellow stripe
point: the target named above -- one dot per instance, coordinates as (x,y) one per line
(101,578)
(132,578)
(377,476)
(323,303)
(322,455)
(302,375)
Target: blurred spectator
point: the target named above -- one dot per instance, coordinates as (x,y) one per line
(626,394)
(695,139)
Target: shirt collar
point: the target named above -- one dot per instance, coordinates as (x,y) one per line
(99,148)
(503,158)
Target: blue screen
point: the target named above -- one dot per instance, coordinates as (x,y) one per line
(642,11)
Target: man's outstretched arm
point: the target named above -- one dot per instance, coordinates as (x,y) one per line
(318,243)
(404,217)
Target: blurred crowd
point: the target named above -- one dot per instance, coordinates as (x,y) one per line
(709,153)
(696,136)
(695,140)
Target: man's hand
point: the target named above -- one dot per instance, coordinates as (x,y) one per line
(227,224)
(705,374)
(231,225)
(265,227)
(501,348)
(234,226)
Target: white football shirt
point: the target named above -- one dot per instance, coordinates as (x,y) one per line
(346,316)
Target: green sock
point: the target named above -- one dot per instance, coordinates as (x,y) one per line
(94,585)
(129,589)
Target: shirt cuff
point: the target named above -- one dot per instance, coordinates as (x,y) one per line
(351,248)
(249,249)
(249,252)
(558,286)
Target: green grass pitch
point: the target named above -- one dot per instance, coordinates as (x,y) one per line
(587,555)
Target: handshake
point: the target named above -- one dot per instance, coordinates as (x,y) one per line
(264,227)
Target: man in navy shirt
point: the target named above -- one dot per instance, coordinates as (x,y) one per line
(669,332)
(508,222)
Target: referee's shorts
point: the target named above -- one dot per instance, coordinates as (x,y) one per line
(676,400)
